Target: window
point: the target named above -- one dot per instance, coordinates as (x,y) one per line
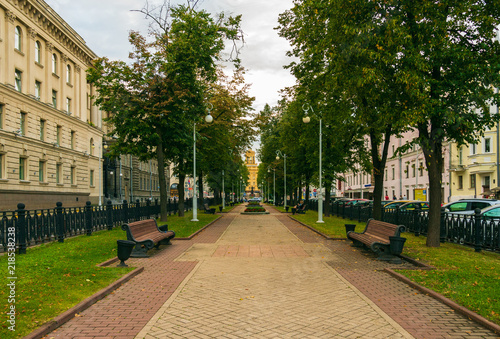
(59,173)
(91,146)
(458,207)
(472,181)
(22,168)
(393,173)
(91,177)
(41,171)
(1,116)
(18,85)
(460,182)
(42,129)
(58,134)
(22,123)
(407,171)
(18,38)
(73,175)
(38,89)
(38,52)
(68,74)
(472,149)
(54,98)
(413,170)
(420,169)
(460,156)
(386,175)
(68,105)
(72,140)
(54,63)
(487,145)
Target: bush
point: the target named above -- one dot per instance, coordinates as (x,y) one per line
(255,209)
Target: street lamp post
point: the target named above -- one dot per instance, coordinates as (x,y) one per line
(208,119)
(278,154)
(306,119)
(274,186)
(223,192)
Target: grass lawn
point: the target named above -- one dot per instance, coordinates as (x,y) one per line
(54,277)
(470,279)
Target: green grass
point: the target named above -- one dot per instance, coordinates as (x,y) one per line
(54,277)
(470,279)
(184,227)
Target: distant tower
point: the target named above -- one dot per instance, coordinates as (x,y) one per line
(253,168)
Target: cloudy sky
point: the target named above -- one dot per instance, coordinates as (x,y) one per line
(104,25)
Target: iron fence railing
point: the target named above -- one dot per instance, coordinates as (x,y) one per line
(471,230)
(33,227)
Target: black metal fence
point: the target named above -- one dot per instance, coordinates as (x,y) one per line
(471,230)
(32,227)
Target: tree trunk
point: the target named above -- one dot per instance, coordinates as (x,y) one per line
(182,179)
(378,170)
(433,153)
(162,181)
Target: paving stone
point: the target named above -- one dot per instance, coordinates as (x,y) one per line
(265,276)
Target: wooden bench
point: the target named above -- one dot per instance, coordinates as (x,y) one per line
(146,235)
(208,210)
(302,210)
(376,237)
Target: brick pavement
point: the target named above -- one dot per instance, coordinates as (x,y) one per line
(262,277)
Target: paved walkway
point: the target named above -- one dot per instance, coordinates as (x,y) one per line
(265,277)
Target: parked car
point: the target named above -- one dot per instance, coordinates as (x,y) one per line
(254,199)
(467,206)
(395,203)
(410,206)
(354,202)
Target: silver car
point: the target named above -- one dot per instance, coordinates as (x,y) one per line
(467,206)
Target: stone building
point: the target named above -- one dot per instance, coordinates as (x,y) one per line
(50,133)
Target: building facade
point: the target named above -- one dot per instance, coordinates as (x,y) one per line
(50,132)
(405,175)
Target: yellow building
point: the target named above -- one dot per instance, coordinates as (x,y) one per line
(50,132)
(253,168)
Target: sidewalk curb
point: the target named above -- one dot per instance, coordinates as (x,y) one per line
(64,317)
(450,303)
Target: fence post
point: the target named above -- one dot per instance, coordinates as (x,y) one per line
(125,212)
(109,212)
(477,230)
(137,210)
(148,209)
(88,217)
(21,227)
(59,222)
(415,221)
(157,209)
(442,227)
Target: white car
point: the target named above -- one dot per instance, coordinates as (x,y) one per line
(467,206)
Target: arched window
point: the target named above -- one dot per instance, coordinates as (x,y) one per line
(38,52)
(68,74)
(54,63)
(18,39)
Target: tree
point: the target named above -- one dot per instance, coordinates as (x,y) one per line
(154,101)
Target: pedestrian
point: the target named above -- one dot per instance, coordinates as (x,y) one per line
(394,197)
(386,197)
(400,197)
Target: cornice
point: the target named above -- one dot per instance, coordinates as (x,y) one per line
(47,20)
